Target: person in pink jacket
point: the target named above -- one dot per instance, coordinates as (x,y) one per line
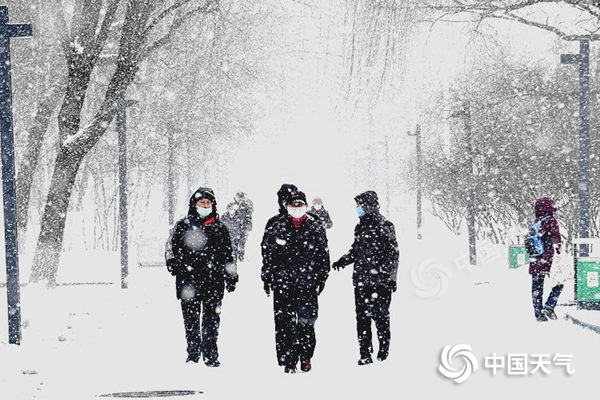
(539,266)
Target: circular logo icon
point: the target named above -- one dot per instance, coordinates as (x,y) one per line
(469,362)
(431,278)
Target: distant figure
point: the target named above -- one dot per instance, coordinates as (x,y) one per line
(295,268)
(198,253)
(375,257)
(319,210)
(539,266)
(238,218)
(231,220)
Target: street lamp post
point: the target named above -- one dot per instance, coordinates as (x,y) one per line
(8,31)
(124,235)
(417,136)
(386,144)
(465,113)
(171,175)
(583,60)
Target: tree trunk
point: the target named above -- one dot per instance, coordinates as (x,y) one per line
(30,161)
(47,254)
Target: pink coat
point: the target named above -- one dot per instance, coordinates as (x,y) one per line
(544,207)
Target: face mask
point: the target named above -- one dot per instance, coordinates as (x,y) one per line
(203,212)
(360,211)
(317,206)
(297,212)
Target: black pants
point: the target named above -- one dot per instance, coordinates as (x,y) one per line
(372,303)
(202,341)
(296,312)
(241,246)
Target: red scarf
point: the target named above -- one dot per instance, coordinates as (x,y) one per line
(208,221)
(297,222)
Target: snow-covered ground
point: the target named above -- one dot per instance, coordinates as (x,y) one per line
(85,341)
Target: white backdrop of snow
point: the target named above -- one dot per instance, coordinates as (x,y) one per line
(81,341)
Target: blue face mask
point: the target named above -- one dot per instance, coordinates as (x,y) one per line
(204,212)
(360,211)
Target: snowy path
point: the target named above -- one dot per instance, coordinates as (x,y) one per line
(82,341)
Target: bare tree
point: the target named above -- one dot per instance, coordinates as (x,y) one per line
(535,13)
(522,119)
(145,26)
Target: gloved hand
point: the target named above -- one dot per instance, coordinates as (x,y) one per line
(337,265)
(267,288)
(392,285)
(230,286)
(174,267)
(320,288)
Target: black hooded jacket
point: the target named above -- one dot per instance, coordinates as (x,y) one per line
(198,252)
(295,258)
(374,251)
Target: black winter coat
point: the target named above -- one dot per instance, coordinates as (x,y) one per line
(374,252)
(295,258)
(199,254)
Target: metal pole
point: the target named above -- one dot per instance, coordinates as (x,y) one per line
(582,60)
(419,182)
(123,222)
(584,139)
(387,177)
(417,135)
(470,190)
(171,176)
(8,176)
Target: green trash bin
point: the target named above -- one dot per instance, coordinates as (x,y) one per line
(517,256)
(588,288)
(587,274)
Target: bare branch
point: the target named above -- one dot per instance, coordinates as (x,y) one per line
(485,10)
(165,13)
(207,8)
(106,23)
(176,25)
(549,28)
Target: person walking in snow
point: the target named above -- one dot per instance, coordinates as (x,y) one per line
(198,253)
(231,220)
(295,268)
(238,219)
(282,194)
(375,257)
(319,210)
(244,214)
(539,266)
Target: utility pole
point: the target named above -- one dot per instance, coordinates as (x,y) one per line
(417,136)
(8,31)
(583,61)
(123,220)
(387,176)
(171,175)
(465,113)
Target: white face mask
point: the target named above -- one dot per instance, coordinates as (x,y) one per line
(203,212)
(297,212)
(317,206)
